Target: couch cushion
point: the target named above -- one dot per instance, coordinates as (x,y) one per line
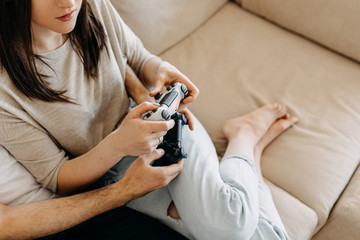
(332,23)
(293,211)
(160,24)
(240,62)
(346,214)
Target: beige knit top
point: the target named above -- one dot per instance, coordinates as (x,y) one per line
(41,135)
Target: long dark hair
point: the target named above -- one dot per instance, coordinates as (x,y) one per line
(16,53)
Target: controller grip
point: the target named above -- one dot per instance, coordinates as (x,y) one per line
(172,143)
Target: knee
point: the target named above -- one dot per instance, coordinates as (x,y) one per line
(245,229)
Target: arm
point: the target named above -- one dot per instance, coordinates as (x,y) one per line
(135,88)
(34,148)
(43,218)
(133,137)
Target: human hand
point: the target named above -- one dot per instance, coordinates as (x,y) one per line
(166,75)
(136,137)
(141,178)
(187,114)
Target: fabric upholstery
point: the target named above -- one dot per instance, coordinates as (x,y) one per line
(346,214)
(300,220)
(240,62)
(332,23)
(160,24)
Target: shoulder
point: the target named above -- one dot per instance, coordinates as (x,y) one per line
(99,7)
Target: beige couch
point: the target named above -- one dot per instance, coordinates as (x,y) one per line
(305,54)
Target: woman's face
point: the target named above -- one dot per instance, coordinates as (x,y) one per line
(55,15)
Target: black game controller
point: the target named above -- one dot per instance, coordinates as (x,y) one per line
(172,143)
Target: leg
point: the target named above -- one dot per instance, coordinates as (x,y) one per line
(121,223)
(221,202)
(154,204)
(270,225)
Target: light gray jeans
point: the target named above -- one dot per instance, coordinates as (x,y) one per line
(215,201)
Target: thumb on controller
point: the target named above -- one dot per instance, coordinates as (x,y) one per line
(144,107)
(158,87)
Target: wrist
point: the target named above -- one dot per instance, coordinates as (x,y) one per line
(150,71)
(118,194)
(112,146)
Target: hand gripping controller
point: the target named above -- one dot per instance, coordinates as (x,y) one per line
(169,102)
(172,143)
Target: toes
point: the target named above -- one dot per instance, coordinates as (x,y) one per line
(284,123)
(280,110)
(275,130)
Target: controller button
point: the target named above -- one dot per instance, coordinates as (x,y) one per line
(157,96)
(165,114)
(148,115)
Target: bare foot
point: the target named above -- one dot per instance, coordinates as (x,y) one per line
(273,132)
(243,133)
(255,123)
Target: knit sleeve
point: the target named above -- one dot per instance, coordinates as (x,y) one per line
(30,145)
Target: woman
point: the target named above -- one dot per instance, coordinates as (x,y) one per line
(63,96)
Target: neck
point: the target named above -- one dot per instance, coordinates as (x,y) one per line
(45,40)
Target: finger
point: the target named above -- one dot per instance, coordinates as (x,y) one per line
(189,117)
(189,99)
(156,154)
(144,107)
(159,85)
(156,142)
(160,134)
(192,89)
(182,106)
(174,169)
(159,126)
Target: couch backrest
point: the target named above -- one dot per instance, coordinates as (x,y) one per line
(162,23)
(332,23)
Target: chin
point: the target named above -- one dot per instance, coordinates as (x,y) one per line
(65,30)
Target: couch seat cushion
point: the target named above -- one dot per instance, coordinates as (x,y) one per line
(240,62)
(299,220)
